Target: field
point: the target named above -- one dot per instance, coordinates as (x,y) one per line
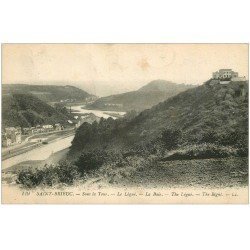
(205,173)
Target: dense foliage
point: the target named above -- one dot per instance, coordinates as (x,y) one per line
(26,110)
(63,173)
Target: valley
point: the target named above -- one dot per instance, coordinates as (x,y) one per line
(195,136)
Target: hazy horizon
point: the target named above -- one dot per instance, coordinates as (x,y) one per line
(106,69)
(100,89)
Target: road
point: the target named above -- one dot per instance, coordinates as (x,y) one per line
(41,153)
(32,144)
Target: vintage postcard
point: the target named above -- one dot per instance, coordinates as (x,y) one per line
(124,123)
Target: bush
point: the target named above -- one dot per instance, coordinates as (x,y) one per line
(90,160)
(67,172)
(171,138)
(64,172)
(30,178)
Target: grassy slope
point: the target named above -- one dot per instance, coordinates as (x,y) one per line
(210,173)
(27,110)
(217,109)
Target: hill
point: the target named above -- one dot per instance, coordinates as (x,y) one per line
(48,93)
(203,114)
(198,138)
(215,114)
(143,98)
(27,110)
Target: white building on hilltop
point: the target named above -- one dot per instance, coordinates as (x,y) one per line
(227,75)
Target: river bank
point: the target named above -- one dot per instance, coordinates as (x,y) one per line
(80,109)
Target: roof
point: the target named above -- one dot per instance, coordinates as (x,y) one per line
(224,69)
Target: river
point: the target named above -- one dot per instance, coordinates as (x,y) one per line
(100,113)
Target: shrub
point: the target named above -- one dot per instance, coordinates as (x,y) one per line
(30,178)
(64,172)
(90,160)
(171,138)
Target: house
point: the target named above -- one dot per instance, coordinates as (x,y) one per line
(6,142)
(11,136)
(119,105)
(48,127)
(36,130)
(18,129)
(26,131)
(58,127)
(14,134)
(9,130)
(18,137)
(225,74)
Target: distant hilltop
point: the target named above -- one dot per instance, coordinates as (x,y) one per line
(49,93)
(147,96)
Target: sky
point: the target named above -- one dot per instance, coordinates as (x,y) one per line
(104,69)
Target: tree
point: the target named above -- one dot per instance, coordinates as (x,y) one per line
(171,138)
(90,160)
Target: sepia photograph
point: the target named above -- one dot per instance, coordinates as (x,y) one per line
(125,123)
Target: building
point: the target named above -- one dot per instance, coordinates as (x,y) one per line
(9,131)
(225,74)
(11,136)
(14,134)
(118,105)
(48,128)
(29,131)
(26,131)
(239,79)
(6,142)
(89,118)
(58,127)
